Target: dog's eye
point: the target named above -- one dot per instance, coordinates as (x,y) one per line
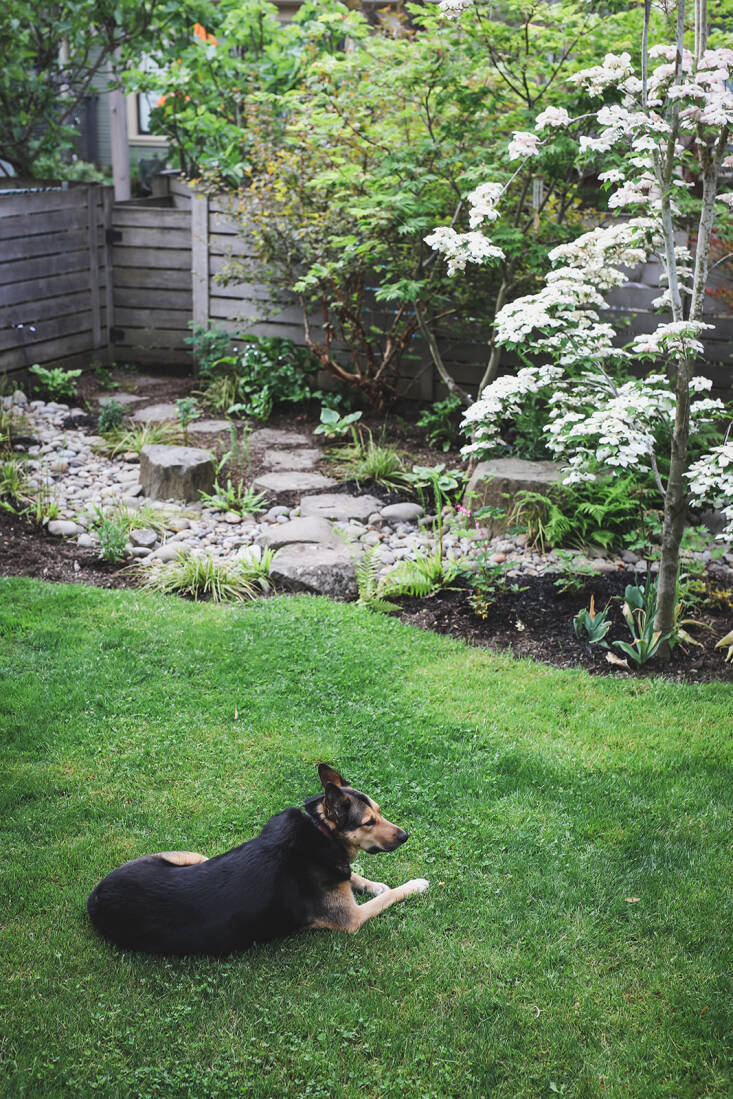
(368,823)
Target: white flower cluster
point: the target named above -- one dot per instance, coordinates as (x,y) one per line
(523,143)
(501,399)
(453,9)
(614,70)
(483,203)
(676,338)
(552,116)
(462,248)
(711,482)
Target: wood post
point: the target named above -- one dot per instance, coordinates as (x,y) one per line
(119,143)
(108,272)
(94,294)
(200,258)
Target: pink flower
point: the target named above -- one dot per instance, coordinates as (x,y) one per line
(523,143)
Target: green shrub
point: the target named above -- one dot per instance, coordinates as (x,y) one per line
(253,373)
(111,415)
(56,383)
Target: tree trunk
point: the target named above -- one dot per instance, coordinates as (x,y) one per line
(675,501)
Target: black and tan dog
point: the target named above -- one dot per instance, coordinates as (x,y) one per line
(295,874)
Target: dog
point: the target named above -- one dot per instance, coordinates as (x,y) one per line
(295,874)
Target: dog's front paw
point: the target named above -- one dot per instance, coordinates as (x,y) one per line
(417,885)
(376,888)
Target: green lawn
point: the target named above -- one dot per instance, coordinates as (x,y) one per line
(537,802)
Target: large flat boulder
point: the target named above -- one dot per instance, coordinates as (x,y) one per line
(496,482)
(176,472)
(295,458)
(319,569)
(315,531)
(339,506)
(292,481)
(156,413)
(275,436)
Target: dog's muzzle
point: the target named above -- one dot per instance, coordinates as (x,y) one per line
(401,837)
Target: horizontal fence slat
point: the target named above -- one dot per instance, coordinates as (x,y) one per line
(40,291)
(129,217)
(45,330)
(41,201)
(36,267)
(152,257)
(41,224)
(143,278)
(55,347)
(149,337)
(134,298)
(158,236)
(37,312)
(173,319)
(47,245)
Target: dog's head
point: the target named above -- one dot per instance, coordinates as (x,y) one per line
(355,817)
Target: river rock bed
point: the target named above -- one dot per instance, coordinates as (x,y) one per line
(65,466)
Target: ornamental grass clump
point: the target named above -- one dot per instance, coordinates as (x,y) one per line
(204,577)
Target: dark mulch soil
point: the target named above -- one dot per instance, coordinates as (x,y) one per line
(537,622)
(28,550)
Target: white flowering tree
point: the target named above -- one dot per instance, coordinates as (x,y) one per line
(659,133)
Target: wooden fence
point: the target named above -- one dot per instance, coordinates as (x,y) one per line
(82,278)
(55,276)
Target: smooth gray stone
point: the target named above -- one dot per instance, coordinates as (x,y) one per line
(272,436)
(332,505)
(176,472)
(292,482)
(297,458)
(297,530)
(63,528)
(121,398)
(321,570)
(170,551)
(402,513)
(143,536)
(209,427)
(156,414)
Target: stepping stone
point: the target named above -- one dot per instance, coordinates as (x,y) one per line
(292,482)
(339,506)
(321,570)
(272,436)
(209,427)
(155,414)
(316,531)
(402,513)
(176,472)
(121,398)
(291,459)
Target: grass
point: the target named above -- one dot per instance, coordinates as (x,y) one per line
(540,803)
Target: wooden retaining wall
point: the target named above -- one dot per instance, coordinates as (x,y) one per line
(55,276)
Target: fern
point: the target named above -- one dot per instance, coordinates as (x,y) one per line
(366,571)
(423,576)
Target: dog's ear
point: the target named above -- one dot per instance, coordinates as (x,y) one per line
(327,774)
(336,804)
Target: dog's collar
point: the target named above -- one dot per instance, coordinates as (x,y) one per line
(320,825)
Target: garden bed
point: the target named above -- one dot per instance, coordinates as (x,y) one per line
(534,622)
